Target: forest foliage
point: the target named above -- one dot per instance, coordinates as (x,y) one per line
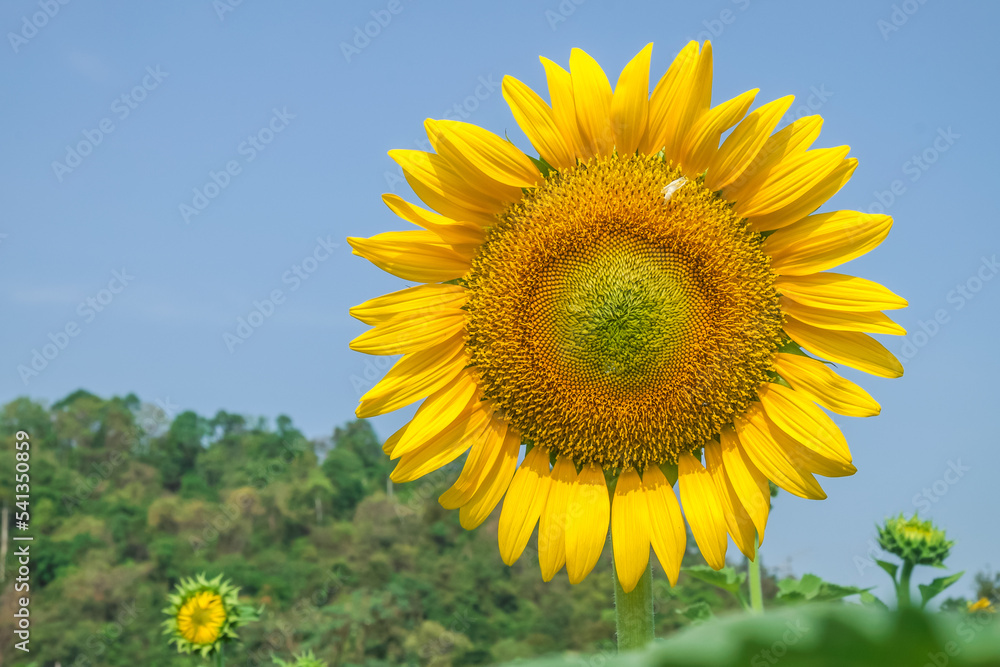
(126,500)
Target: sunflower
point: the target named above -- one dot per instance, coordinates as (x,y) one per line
(982,605)
(204,614)
(636,306)
(201,618)
(914,541)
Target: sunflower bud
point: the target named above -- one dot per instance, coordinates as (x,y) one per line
(914,541)
(204,615)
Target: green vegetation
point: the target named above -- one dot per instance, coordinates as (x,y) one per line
(349,570)
(125,502)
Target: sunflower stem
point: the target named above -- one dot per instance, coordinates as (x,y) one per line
(756,591)
(634,612)
(903,587)
(220,656)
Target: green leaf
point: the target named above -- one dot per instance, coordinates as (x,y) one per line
(870,600)
(697,613)
(811,588)
(811,636)
(929,591)
(891,568)
(727,578)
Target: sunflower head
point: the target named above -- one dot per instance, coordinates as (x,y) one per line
(642,307)
(204,614)
(981,606)
(914,541)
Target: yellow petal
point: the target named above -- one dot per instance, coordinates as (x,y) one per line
(496,483)
(824,318)
(466,167)
(537,120)
(630,529)
(446,446)
(748,481)
(439,410)
(790,180)
(587,518)
(702,140)
(482,456)
(703,509)
(786,144)
(563,105)
(738,521)
(771,458)
(837,291)
(412,301)
(630,103)
(695,104)
(820,383)
(666,104)
(435,181)
(801,456)
(820,242)
(807,424)
(418,256)
(523,504)
(552,524)
(666,524)
(454,232)
(592,98)
(857,350)
(807,202)
(742,146)
(487,153)
(410,335)
(415,376)
(393,440)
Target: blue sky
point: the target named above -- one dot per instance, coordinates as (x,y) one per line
(169,169)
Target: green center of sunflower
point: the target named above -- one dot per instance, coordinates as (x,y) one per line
(201,616)
(618,327)
(619,310)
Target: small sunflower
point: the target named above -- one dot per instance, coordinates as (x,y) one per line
(982,605)
(204,614)
(634,306)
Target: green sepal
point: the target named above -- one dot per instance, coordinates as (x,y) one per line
(670,471)
(543,166)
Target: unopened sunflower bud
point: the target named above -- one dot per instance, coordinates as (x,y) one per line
(915,541)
